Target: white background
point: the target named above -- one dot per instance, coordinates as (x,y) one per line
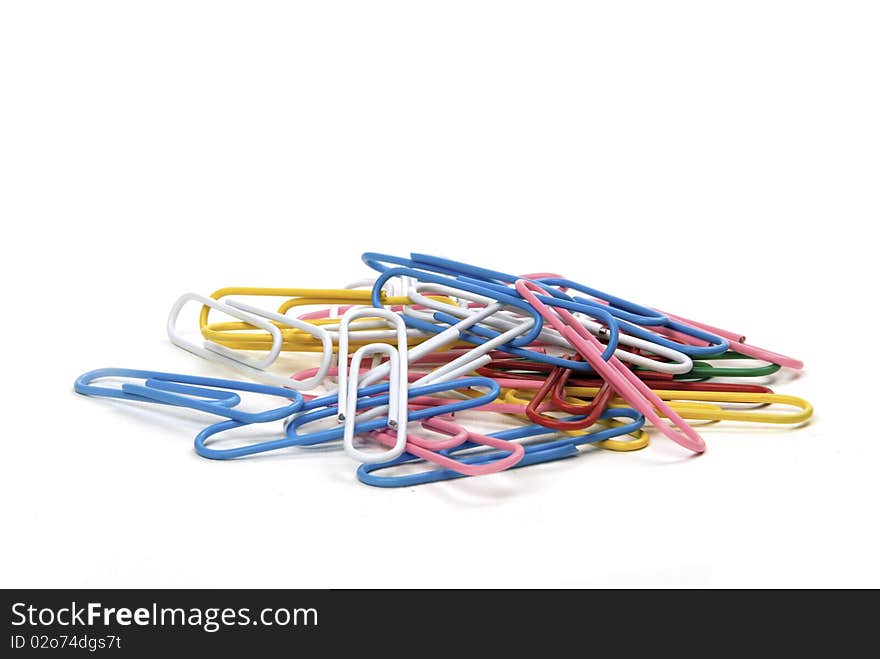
(716,159)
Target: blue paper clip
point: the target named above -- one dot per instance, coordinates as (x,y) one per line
(500,282)
(629,314)
(175,389)
(324,407)
(618,306)
(716,345)
(534,453)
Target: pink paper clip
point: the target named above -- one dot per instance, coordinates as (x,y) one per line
(738,343)
(624,381)
(419,447)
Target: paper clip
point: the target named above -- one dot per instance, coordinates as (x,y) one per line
(174,389)
(629,314)
(219,353)
(398,386)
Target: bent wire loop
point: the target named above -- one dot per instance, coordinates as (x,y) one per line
(175,389)
(702,370)
(219,353)
(348,383)
(590,411)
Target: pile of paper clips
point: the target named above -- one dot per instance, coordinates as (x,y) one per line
(562,365)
